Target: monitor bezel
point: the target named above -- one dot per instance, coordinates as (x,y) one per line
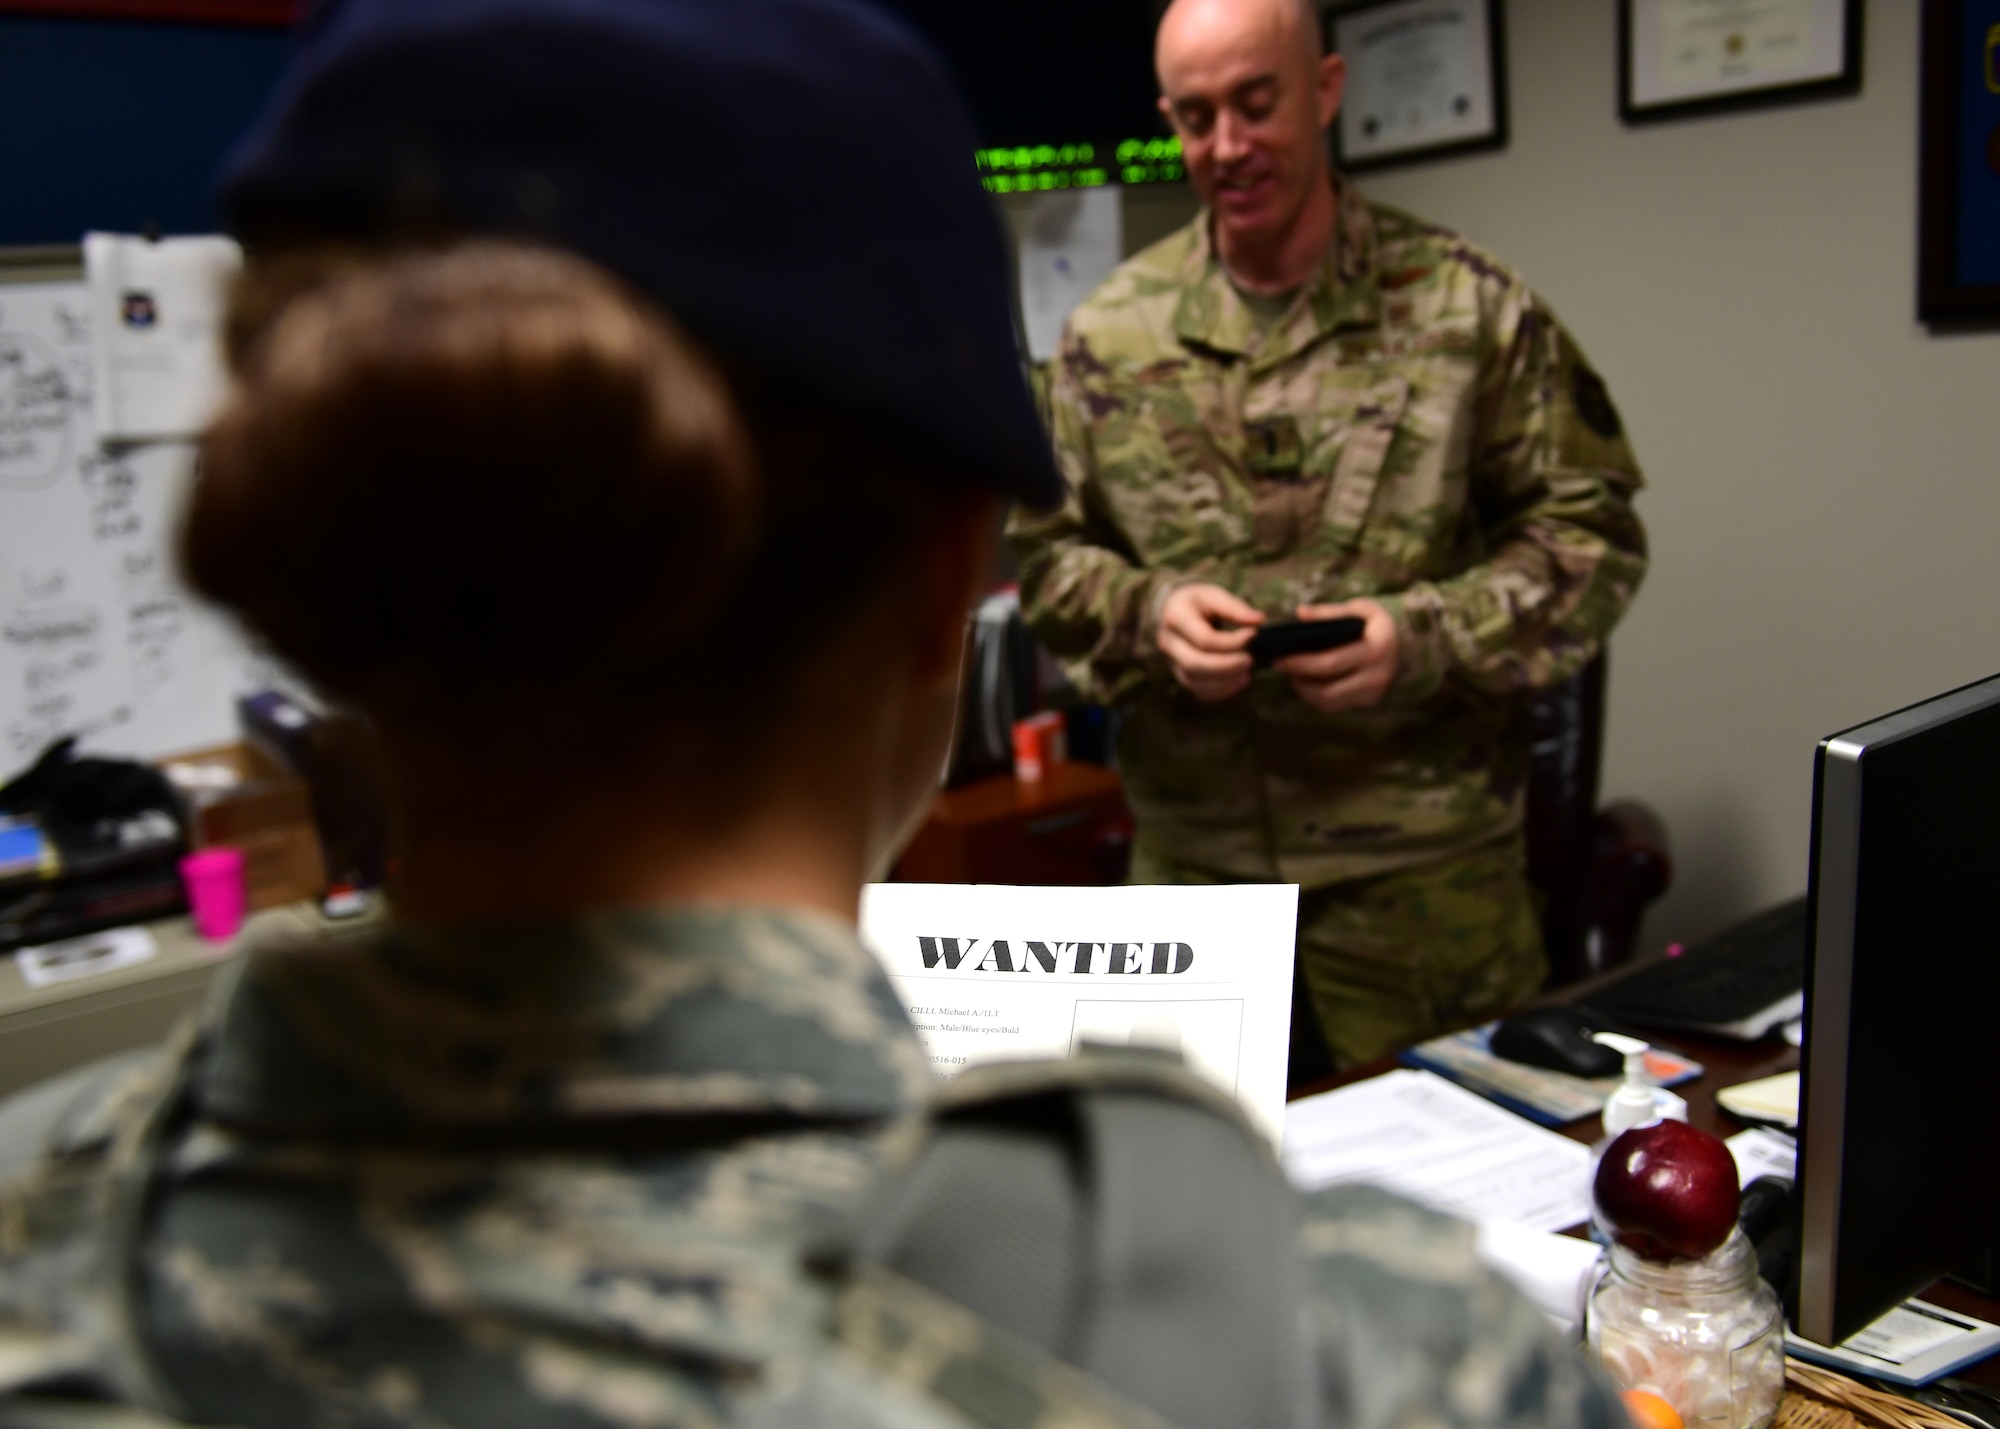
(1839,782)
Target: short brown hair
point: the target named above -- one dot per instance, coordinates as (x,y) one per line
(489,482)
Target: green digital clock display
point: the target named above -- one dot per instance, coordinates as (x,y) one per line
(1041,168)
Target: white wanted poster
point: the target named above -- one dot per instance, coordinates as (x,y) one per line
(992,973)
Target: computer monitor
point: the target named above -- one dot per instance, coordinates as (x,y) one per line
(1899,1127)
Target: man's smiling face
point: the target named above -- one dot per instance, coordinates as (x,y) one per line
(1245,87)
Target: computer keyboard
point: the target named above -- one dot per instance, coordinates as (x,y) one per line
(1740,983)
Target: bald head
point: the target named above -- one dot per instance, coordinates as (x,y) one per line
(1250,93)
(1198,26)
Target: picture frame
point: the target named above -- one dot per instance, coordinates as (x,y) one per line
(1426,79)
(1958,244)
(268,14)
(1681,58)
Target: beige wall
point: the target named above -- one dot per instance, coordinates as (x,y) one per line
(1825,476)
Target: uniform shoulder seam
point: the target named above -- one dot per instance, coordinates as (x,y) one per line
(1398,231)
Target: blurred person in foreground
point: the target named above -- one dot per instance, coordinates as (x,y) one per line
(1302,406)
(643,524)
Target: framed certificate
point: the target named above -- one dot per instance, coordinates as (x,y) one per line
(1958,251)
(1680,57)
(1425,78)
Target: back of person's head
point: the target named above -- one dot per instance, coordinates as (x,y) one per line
(488,488)
(544,427)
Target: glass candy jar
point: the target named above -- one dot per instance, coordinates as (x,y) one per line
(1705,1335)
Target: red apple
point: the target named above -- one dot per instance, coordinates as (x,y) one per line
(1668,1191)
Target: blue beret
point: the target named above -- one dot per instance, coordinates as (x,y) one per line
(792,179)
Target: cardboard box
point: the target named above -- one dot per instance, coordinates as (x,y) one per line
(239,797)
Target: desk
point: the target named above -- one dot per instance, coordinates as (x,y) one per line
(47,1031)
(1727,1063)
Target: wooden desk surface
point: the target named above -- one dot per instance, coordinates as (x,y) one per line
(1058,829)
(1727,1063)
(987,800)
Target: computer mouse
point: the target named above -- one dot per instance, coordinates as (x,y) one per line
(1557,1038)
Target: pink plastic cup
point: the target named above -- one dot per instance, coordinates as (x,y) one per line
(213,878)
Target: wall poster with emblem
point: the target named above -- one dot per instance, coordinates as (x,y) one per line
(1958,253)
(1682,57)
(1425,79)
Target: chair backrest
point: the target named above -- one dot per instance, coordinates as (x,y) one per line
(1565,751)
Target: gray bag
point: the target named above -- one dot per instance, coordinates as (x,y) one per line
(1117,1214)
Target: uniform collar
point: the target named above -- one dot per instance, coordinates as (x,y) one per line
(1343,294)
(616,1017)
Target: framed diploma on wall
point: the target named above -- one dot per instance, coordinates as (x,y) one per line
(1958,248)
(1681,57)
(1425,79)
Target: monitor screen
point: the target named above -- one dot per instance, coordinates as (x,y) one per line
(1899,1165)
(1062,91)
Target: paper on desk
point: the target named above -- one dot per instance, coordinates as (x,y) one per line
(1072,240)
(992,973)
(1912,1344)
(1418,1134)
(1772,1099)
(87,956)
(1555,1272)
(155,328)
(1763,1153)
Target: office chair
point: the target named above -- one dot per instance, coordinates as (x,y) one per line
(1597,869)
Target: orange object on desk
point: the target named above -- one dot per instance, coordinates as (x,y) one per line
(1040,744)
(1068,828)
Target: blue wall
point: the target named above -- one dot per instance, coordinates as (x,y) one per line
(113,124)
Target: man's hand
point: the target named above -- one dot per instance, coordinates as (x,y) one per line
(1352,677)
(1210,664)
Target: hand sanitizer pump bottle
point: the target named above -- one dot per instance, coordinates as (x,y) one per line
(1637,1100)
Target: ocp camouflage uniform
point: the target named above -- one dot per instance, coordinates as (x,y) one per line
(1418,429)
(584,1175)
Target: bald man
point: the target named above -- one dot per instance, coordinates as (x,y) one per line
(1304,405)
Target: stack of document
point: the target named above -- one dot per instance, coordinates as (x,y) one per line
(1431,1140)
(1435,1142)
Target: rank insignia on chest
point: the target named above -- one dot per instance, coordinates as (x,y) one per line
(1273,448)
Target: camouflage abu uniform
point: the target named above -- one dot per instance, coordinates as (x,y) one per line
(1418,429)
(574,1176)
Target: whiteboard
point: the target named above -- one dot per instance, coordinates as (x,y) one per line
(98,638)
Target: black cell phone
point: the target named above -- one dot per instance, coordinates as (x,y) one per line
(1302,637)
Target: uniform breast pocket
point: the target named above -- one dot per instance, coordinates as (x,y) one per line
(1163,476)
(1366,433)
(1415,469)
